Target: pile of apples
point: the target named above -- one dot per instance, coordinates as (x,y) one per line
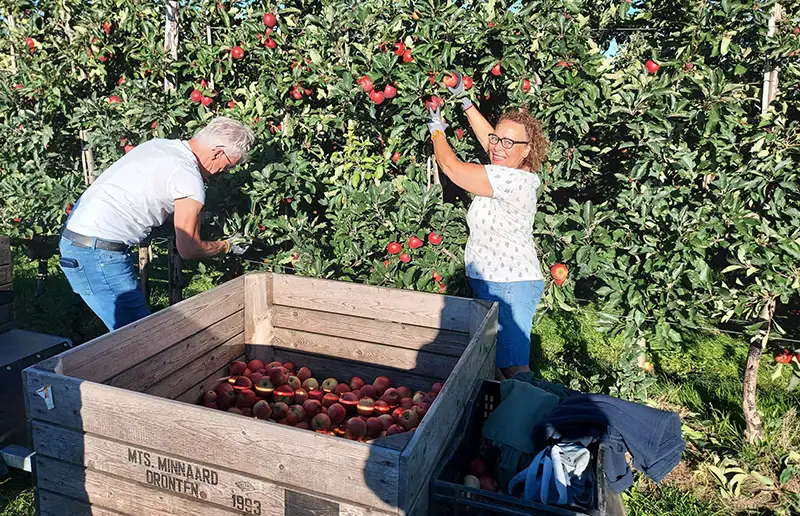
(357,410)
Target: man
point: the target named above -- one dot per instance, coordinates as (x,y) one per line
(136,194)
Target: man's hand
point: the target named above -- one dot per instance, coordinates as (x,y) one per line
(236,245)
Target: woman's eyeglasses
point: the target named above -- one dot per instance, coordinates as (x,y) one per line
(507,143)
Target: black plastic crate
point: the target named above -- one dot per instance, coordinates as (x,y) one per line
(449,497)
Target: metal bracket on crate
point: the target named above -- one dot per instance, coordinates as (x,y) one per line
(17,457)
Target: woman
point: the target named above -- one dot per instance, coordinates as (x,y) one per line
(500,256)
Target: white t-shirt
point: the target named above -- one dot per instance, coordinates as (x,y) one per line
(500,246)
(138,192)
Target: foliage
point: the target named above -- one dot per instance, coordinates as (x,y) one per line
(671,198)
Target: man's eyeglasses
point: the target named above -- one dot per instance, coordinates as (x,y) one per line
(507,143)
(230,163)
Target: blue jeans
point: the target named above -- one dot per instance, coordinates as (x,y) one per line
(106,282)
(517,302)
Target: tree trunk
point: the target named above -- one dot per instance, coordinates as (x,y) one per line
(755,429)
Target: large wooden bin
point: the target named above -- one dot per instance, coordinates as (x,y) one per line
(117,430)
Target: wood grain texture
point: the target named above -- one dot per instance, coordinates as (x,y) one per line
(325,367)
(399,335)
(196,391)
(144,375)
(385,304)
(54,504)
(178,382)
(5,252)
(140,464)
(365,475)
(5,274)
(429,441)
(258,315)
(106,356)
(7,286)
(117,494)
(6,313)
(422,363)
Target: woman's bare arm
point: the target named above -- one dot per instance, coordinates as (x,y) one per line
(480,126)
(472,177)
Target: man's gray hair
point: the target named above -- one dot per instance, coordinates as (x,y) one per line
(226,132)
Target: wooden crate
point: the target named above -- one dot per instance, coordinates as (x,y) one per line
(6,290)
(124,435)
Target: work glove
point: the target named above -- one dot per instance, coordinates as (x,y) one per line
(436,123)
(236,245)
(458,91)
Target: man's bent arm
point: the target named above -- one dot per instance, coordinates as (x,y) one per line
(187,232)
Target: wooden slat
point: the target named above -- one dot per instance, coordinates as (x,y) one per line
(117,494)
(6,312)
(5,274)
(5,252)
(370,330)
(325,367)
(420,362)
(106,356)
(54,504)
(139,464)
(386,304)
(428,443)
(144,375)
(363,474)
(258,315)
(6,327)
(184,378)
(7,286)
(193,394)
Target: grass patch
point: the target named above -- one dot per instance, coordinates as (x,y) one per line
(16,495)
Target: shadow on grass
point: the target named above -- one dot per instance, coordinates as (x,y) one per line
(16,495)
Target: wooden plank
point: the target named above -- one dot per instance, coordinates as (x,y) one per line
(430,439)
(325,367)
(258,315)
(370,330)
(386,304)
(178,382)
(118,494)
(6,327)
(144,375)
(5,274)
(7,286)
(54,504)
(363,474)
(6,312)
(106,356)
(152,467)
(420,362)
(158,470)
(5,253)
(193,394)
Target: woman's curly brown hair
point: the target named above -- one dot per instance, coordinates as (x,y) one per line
(538,141)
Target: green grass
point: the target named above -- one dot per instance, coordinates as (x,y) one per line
(16,495)
(702,382)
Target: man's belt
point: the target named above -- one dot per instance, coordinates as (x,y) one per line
(85,241)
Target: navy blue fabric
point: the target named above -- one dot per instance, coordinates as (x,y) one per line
(652,436)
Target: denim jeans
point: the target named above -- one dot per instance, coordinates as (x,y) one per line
(517,302)
(106,282)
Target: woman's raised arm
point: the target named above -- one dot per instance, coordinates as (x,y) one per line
(480,126)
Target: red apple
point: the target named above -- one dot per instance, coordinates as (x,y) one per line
(366,83)
(207,101)
(312,408)
(304,374)
(329,399)
(409,419)
(407,57)
(279,410)
(451,81)
(210,397)
(296,414)
(467,82)
(265,387)
(310,384)
(337,413)
(434,239)
(387,420)
(237,52)
(300,396)
(395,156)
(242,382)
(376,97)
(389,91)
(316,394)
(245,398)
(391,397)
(496,70)
(394,248)
(294,382)
(369,391)
(349,401)
(255,365)
(394,429)
(405,258)
(374,427)
(382,406)
(341,389)
(284,393)
(279,376)
(437,387)
(526,86)
(356,429)
(321,423)
(415,243)
(652,66)
(270,43)
(477,467)
(366,406)
(262,410)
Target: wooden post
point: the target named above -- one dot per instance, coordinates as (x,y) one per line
(754,431)
(770,89)
(11,27)
(174,273)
